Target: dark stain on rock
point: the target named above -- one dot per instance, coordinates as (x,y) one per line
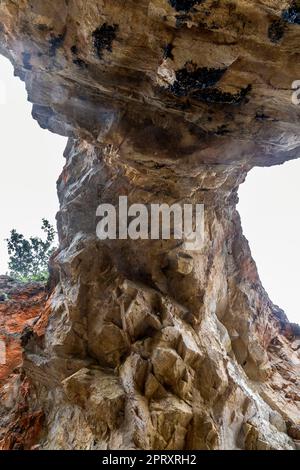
(292,14)
(192,78)
(74,49)
(26,60)
(185,5)
(202,25)
(276,30)
(78,61)
(158,166)
(181,20)
(168,51)
(26,336)
(222,130)
(217,96)
(261,116)
(43,27)
(103,38)
(182,105)
(55,43)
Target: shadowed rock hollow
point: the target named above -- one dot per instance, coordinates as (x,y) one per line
(148,346)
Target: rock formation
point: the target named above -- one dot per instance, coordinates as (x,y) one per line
(20,308)
(145,345)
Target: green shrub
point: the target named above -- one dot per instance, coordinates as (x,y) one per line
(28,259)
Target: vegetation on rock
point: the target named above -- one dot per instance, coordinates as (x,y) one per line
(28,259)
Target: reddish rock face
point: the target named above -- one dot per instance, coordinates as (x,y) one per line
(19,311)
(20,308)
(164,101)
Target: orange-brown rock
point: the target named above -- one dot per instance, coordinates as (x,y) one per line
(21,306)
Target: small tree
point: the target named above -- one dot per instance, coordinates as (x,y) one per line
(28,259)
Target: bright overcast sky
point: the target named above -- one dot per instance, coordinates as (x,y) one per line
(270,212)
(31,160)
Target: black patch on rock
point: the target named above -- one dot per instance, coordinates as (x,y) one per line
(26,336)
(184,5)
(221,97)
(276,30)
(168,51)
(261,116)
(55,43)
(81,63)
(292,14)
(26,60)
(103,38)
(42,27)
(158,166)
(192,78)
(222,130)
(181,20)
(74,49)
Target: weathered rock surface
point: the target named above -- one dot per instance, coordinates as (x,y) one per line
(21,306)
(146,345)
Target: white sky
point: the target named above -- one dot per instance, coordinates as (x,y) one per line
(31,161)
(270,212)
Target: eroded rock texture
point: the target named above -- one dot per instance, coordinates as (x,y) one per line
(148,346)
(21,306)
